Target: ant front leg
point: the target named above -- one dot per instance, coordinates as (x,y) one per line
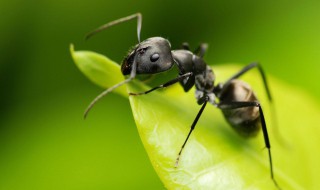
(235,105)
(169,83)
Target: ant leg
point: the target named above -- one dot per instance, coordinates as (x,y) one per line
(277,133)
(118,21)
(132,76)
(169,83)
(191,129)
(235,105)
(185,46)
(201,50)
(245,70)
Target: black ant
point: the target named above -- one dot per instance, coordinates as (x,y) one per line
(238,102)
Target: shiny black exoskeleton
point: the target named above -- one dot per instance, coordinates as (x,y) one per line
(234,97)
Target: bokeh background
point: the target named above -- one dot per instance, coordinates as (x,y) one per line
(44,141)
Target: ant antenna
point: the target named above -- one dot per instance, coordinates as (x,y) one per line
(134,65)
(118,21)
(132,75)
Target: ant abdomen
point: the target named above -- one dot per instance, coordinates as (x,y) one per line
(245,120)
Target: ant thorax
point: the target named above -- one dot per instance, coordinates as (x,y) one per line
(204,83)
(200,95)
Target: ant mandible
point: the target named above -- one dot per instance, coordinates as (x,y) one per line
(237,100)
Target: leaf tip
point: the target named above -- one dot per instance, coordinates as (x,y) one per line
(71,48)
(73,54)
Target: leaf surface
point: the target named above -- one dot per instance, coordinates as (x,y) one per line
(215,157)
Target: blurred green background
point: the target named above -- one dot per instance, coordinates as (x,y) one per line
(44,141)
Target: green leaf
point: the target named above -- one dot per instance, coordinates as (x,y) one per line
(99,69)
(215,157)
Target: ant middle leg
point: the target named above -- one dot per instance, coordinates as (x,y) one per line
(205,100)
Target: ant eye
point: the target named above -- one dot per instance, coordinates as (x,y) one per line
(154,57)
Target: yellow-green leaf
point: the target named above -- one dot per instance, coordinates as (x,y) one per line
(215,157)
(99,69)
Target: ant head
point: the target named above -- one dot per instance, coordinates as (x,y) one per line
(152,56)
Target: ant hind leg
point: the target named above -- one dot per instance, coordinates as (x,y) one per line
(235,105)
